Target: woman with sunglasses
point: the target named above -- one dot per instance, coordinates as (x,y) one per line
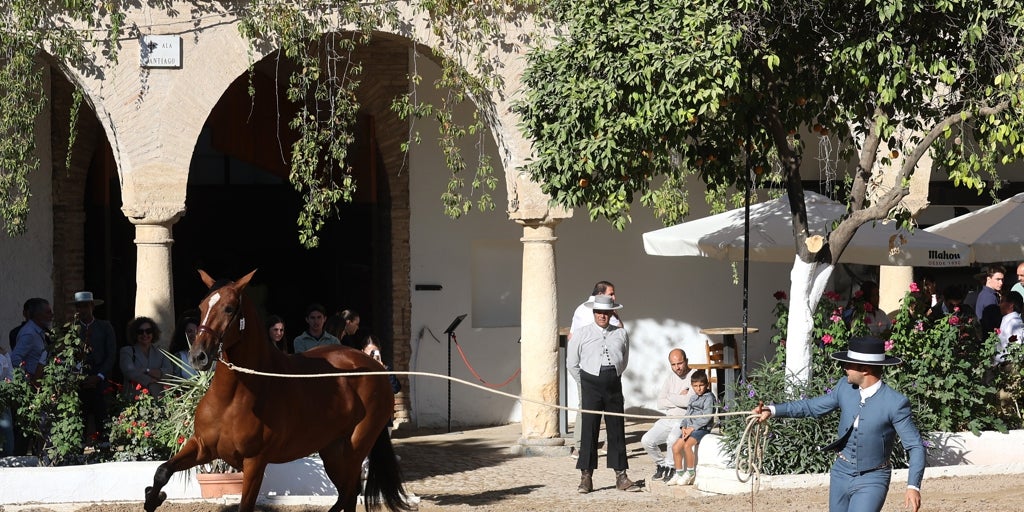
(142,363)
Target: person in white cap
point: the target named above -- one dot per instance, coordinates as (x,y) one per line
(98,335)
(871,416)
(596,357)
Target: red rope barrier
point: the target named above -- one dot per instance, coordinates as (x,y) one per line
(477,375)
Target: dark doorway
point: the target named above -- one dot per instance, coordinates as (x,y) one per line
(241,215)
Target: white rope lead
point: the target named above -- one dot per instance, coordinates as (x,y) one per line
(241,369)
(755,435)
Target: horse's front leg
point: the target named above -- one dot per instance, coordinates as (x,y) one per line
(252,479)
(187,457)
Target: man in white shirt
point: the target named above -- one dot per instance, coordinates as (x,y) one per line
(1011,329)
(674,398)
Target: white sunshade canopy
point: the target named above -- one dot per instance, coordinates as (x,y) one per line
(994,233)
(771,237)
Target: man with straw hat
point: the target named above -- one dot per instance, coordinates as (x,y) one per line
(100,344)
(872,414)
(596,357)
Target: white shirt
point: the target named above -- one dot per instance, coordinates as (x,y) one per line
(1012,325)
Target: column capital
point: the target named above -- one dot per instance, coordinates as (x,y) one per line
(141,215)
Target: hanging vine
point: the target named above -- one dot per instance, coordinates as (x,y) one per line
(319,38)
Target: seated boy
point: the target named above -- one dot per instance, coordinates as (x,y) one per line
(695,426)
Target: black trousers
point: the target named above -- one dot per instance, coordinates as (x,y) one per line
(602,393)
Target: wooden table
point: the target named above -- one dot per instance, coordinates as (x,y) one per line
(728,335)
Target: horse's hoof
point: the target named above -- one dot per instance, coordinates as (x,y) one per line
(154,501)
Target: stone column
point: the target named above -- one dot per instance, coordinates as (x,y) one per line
(893,284)
(539,349)
(154,296)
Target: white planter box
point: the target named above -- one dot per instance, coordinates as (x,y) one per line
(955,454)
(127,481)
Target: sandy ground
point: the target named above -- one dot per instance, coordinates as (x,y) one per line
(475,470)
(999,493)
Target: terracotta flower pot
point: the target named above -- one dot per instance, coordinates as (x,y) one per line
(216,485)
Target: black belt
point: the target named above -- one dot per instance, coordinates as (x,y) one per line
(609,367)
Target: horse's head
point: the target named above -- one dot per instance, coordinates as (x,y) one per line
(221,320)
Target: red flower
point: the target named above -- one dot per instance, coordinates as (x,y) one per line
(56,360)
(868,307)
(914,288)
(779,295)
(147,433)
(145,391)
(832,296)
(954,320)
(135,423)
(858,294)
(181,439)
(827,339)
(142,423)
(138,387)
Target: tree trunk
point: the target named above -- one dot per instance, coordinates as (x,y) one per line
(807,284)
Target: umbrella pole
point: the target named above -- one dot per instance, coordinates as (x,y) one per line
(746,268)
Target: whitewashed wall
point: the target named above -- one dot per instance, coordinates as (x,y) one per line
(478,262)
(27,261)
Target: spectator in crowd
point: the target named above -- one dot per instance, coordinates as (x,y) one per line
(314,335)
(6,416)
(1019,285)
(275,332)
(987,306)
(876,320)
(349,333)
(1011,328)
(181,344)
(583,316)
(30,350)
(142,363)
(101,351)
(596,357)
(952,302)
(673,398)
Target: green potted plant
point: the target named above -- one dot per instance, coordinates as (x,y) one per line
(180,399)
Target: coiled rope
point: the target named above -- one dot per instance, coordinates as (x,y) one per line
(747,464)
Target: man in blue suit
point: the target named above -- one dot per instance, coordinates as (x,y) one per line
(871,416)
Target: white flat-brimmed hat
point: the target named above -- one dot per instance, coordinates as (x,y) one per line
(866,350)
(603,303)
(85,297)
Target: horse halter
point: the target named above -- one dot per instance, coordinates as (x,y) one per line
(220,336)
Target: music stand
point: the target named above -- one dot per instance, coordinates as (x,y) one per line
(450,331)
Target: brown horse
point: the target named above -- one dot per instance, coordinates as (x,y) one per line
(250,420)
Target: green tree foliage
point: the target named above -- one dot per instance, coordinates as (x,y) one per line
(670,89)
(26,27)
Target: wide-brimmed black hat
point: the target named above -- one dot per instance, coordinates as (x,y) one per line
(866,350)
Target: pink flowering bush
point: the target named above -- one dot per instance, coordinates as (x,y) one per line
(947,371)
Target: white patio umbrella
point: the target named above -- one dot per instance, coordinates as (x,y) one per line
(771,237)
(993,233)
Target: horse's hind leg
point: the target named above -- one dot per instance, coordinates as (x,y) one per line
(186,458)
(344,469)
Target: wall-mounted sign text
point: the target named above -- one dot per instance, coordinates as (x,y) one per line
(160,52)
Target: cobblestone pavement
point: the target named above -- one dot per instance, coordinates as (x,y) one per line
(476,468)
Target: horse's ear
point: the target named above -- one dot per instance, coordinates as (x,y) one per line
(241,283)
(206,278)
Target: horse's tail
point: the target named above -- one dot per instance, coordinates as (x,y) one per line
(384,477)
